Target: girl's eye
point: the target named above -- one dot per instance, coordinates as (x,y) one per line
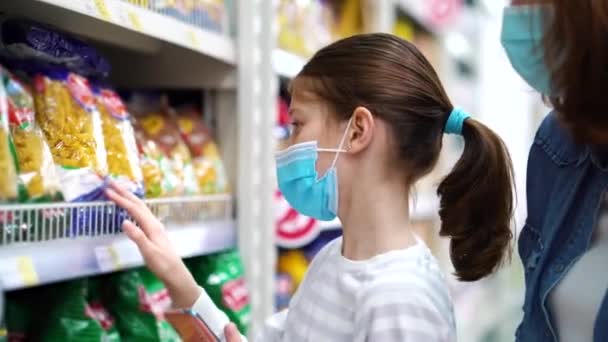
(294,127)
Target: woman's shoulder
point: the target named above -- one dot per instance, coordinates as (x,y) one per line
(556,142)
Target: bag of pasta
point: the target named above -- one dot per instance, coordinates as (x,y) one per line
(37,175)
(8,170)
(70,121)
(66,112)
(206,161)
(119,139)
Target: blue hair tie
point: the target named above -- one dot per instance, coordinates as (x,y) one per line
(455,121)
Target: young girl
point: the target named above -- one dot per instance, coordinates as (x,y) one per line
(369,114)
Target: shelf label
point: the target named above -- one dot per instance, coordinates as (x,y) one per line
(102,9)
(18,272)
(192,40)
(108,258)
(135,22)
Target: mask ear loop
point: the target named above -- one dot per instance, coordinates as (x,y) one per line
(333,163)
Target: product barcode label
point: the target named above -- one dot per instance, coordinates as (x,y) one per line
(18,272)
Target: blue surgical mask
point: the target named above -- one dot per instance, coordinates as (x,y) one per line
(302,187)
(522,38)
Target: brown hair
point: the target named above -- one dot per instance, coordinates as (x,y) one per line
(576,54)
(392,79)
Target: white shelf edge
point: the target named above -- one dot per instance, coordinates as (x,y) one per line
(154,25)
(287,64)
(34,264)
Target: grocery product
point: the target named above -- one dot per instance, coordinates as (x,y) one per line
(78,314)
(20,317)
(222,276)
(119,139)
(294,263)
(37,174)
(206,161)
(138,300)
(284,291)
(155,123)
(158,177)
(8,170)
(66,112)
(36,44)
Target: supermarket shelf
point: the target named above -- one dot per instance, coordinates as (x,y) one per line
(287,64)
(45,243)
(144,47)
(28,265)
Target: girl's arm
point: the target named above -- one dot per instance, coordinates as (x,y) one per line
(162,259)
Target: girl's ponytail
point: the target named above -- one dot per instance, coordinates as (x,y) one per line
(477,203)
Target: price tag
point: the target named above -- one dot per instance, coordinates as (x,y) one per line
(19,271)
(102,9)
(135,22)
(108,258)
(192,39)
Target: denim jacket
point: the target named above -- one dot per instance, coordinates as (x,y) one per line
(565,184)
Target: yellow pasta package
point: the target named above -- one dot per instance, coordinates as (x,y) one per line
(207,163)
(68,116)
(8,170)
(119,138)
(37,175)
(177,166)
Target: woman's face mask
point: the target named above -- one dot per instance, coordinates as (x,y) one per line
(522,38)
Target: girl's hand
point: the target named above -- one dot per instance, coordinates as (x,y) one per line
(155,247)
(231,333)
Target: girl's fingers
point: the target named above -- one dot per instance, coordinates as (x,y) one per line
(138,236)
(127,194)
(140,214)
(231,333)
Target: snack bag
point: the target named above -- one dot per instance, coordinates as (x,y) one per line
(37,175)
(8,169)
(36,43)
(19,316)
(66,112)
(78,314)
(206,161)
(158,128)
(119,140)
(222,276)
(158,178)
(138,300)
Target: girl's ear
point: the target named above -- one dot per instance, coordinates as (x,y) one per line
(361,130)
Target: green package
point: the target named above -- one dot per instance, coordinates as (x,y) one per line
(138,300)
(78,314)
(222,276)
(19,317)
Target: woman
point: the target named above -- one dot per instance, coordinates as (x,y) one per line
(560,47)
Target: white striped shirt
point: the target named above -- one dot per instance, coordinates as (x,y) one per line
(401,295)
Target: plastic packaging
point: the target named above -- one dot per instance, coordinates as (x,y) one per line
(158,134)
(208,166)
(156,170)
(138,300)
(119,139)
(78,314)
(66,112)
(222,276)
(36,43)
(8,170)
(37,175)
